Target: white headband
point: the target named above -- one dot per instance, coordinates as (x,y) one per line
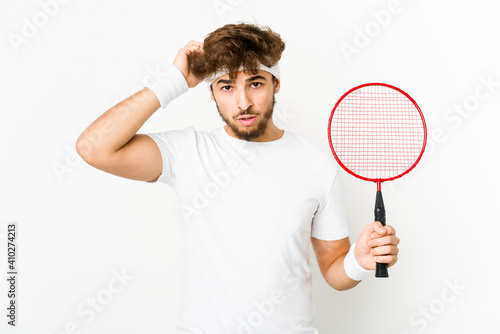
(275,70)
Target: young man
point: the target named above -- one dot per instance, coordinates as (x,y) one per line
(253,196)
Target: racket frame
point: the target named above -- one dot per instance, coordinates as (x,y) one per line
(377,180)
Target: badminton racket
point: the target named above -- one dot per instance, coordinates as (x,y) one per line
(377,133)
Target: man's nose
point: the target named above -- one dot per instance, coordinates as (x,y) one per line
(244,100)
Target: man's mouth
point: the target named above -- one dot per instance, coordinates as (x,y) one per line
(247,120)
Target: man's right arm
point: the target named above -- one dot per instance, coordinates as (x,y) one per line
(111,142)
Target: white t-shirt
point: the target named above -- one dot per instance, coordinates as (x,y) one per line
(249,211)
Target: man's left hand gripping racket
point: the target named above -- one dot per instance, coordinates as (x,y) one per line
(377,133)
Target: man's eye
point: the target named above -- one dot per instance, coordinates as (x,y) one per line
(226,88)
(256,84)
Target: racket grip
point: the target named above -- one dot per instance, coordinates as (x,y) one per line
(381,268)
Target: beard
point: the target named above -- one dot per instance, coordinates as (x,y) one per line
(252,132)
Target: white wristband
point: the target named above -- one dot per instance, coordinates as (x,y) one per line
(168,85)
(352,268)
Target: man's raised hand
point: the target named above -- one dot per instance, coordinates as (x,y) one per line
(181,62)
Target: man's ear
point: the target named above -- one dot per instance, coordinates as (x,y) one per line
(277,85)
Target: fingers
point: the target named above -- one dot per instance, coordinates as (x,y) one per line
(384,240)
(383,243)
(389,259)
(192,46)
(377,243)
(377,229)
(193,43)
(385,250)
(188,50)
(182,63)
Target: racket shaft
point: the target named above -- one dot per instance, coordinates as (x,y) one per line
(381,268)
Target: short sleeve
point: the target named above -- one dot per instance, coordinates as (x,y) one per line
(329,221)
(171,144)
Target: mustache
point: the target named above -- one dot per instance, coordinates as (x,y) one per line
(248,111)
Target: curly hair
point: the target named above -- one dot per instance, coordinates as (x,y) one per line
(235,45)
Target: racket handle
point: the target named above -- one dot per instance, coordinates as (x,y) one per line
(381,268)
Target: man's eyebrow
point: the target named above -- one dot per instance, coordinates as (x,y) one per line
(256,77)
(225,81)
(228,81)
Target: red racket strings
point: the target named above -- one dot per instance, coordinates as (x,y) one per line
(377,132)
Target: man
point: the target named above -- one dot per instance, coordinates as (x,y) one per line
(253,196)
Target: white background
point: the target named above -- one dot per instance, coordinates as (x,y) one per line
(77,225)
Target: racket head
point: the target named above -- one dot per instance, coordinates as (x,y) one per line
(377,132)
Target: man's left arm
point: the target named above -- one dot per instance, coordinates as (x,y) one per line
(376,243)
